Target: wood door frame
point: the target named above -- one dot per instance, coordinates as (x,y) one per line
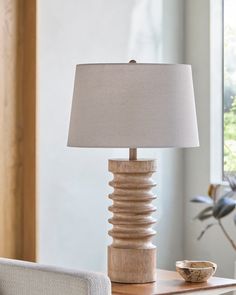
(29,122)
(18,129)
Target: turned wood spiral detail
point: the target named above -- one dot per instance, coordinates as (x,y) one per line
(132,204)
(132,220)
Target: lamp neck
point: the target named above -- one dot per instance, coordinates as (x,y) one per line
(133,154)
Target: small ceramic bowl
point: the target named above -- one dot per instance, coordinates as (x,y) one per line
(195,271)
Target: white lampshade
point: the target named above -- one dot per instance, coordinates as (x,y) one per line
(133,105)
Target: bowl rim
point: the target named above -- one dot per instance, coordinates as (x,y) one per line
(212,264)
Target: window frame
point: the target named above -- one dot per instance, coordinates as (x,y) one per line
(224,173)
(216,91)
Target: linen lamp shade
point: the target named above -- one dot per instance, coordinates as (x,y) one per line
(133,105)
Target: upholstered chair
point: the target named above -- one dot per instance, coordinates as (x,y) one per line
(26,278)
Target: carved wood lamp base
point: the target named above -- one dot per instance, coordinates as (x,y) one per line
(132,256)
(132,265)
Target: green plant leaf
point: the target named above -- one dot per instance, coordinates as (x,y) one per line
(202,199)
(223,207)
(205,214)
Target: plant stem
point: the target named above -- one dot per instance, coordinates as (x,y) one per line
(227,235)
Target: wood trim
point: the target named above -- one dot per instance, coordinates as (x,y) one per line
(17,128)
(10,134)
(29,130)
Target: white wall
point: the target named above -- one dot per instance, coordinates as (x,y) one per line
(199,44)
(72,215)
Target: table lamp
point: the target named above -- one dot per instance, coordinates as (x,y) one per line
(133,105)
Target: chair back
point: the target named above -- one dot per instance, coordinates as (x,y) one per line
(27,278)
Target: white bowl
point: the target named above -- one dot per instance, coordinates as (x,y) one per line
(196,271)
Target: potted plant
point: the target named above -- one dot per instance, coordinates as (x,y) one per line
(218,207)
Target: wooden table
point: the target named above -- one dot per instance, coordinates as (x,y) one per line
(170,282)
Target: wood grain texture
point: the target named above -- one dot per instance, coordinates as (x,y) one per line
(170,282)
(11,186)
(17,128)
(132,256)
(28,82)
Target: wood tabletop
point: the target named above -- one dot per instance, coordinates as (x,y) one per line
(170,282)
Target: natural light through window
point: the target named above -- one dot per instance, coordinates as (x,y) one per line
(229,87)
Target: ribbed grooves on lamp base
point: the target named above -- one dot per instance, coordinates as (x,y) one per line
(132,231)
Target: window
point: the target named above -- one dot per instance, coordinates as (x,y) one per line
(229,97)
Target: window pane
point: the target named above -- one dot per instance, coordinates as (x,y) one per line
(229,87)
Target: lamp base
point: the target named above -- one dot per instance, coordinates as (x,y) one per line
(131,265)
(132,256)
